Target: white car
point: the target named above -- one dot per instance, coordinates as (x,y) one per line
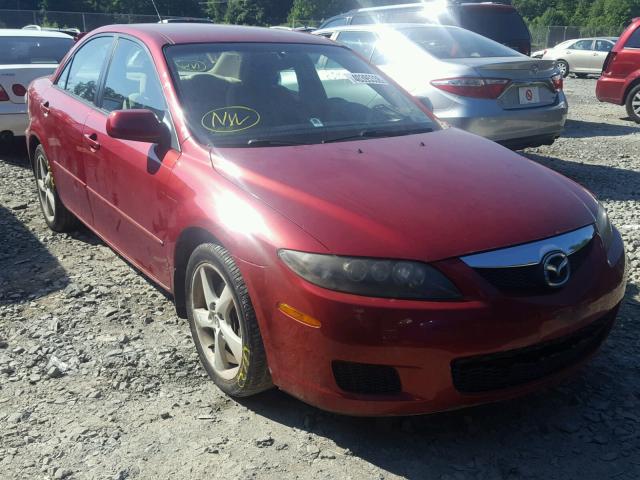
(580,56)
(24,56)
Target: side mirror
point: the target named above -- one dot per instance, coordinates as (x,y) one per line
(137,125)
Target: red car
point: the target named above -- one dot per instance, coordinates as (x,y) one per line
(319,228)
(620,80)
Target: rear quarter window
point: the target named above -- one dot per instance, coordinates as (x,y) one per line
(634,40)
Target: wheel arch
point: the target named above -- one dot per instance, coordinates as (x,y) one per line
(32,144)
(633,84)
(190,238)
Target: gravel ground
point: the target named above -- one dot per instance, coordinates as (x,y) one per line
(99,379)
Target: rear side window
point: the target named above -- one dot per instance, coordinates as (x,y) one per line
(634,40)
(86,67)
(603,46)
(500,24)
(361,42)
(33,50)
(582,45)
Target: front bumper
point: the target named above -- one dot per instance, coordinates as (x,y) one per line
(501,125)
(422,341)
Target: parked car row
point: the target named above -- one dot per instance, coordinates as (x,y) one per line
(321,230)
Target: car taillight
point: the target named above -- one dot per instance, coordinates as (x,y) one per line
(3,95)
(608,61)
(19,90)
(558,82)
(473,86)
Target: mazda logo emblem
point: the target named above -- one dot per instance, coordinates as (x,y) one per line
(556,269)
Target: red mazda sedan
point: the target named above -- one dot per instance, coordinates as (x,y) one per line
(319,228)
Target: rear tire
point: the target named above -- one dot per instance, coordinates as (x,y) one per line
(563,66)
(633,104)
(223,323)
(58,218)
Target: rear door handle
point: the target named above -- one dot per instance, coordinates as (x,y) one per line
(44,106)
(91,139)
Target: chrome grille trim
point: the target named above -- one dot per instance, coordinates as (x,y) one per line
(532,253)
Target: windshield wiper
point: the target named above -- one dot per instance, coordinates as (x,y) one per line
(381,132)
(265,142)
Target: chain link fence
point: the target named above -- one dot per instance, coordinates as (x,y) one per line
(547,37)
(82,21)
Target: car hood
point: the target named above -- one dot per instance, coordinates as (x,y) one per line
(428,197)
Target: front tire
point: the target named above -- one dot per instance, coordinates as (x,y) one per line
(223,323)
(563,66)
(58,218)
(633,104)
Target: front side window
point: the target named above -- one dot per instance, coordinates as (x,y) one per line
(361,42)
(634,40)
(582,45)
(286,94)
(33,50)
(446,43)
(603,46)
(132,81)
(86,67)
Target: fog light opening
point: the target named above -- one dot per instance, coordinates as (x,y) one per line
(299,316)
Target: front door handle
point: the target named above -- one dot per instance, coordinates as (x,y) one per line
(91,139)
(44,106)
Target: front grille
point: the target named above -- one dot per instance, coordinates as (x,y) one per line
(366,379)
(516,367)
(529,279)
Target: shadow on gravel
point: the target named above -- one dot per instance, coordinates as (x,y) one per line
(607,183)
(15,152)
(27,269)
(582,129)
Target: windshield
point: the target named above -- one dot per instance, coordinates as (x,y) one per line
(236,95)
(450,42)
(33,50)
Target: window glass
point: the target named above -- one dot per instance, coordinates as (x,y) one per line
(413,15)
(582,45)
(364,19)
(501,24)
(361,42)
(336,22)
(62,79)
(33,50)
(634,40)
(86,68)
(290,93)
(603,46)
(445,43)
(132,81)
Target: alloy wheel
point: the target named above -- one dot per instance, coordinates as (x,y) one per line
(635,103)
(563,68)
(218,328)
(44,179)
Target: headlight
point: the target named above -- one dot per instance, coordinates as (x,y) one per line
(370,277)
(604,227)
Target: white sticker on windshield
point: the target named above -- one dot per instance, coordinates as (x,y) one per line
(368,78)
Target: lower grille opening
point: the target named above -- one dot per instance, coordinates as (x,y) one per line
(517,367)
(366,379)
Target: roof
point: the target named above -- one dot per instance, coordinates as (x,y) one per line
(175,33)
(427,4)
(18,32)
